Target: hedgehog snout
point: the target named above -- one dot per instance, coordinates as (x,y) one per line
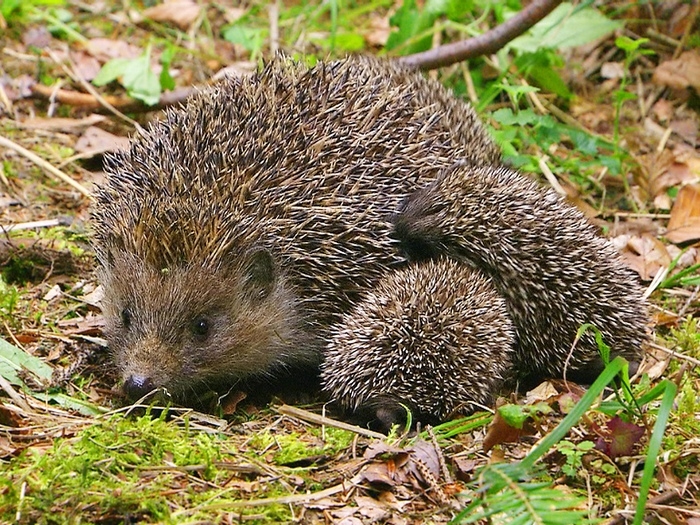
(137,386)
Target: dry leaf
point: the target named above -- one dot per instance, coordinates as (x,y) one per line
(64,125)
(464,467)
(379,31)
(612,70)
(687,129)
(684,224)
(500,431)
(38,37)
(182,13)
(105,49)
(541,392)
(644,253)
(371,509)
(663,110)
(96,141)
(680,73)
(90,325)
(86,65)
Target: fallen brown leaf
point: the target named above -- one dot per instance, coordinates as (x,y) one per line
(38,37)
(663,110)
(684,224)
(105,49)
(645,254)
(182,13)
(96,141)
(500,431)
(86,65)
(64,125)
(680,73)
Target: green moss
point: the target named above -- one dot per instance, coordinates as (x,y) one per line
(293,447)
(117,466)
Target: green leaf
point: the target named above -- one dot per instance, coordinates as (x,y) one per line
(514,415)
(8,7)
(628,45)
(83,407)
(566,27)
(655,442)
(13,360)
(506,117)
(166,59)
(583,142)
(140,80)
(456,10)
(412,22)
(549,80)
(349,42)
(250,38)
(111,71)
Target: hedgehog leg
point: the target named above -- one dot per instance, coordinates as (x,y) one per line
(433,338)
(548,262)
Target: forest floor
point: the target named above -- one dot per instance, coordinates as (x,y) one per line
(601,103)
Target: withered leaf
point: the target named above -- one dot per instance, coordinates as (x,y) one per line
(182,13)
(684,224)
(680,73)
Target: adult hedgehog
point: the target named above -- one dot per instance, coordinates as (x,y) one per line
(233,235)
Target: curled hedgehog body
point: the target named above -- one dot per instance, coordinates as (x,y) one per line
(434,336)
(234,235)
(543,256)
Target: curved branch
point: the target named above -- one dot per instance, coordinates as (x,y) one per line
(489,42)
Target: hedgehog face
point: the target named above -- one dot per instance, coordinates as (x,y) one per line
(188,328)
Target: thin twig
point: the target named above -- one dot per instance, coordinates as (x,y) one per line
(7,143)
(305,415)
(675,354)
(48,223)
(10,391)
(124,104)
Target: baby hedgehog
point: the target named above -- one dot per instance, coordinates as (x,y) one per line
(543,256)
(435,337)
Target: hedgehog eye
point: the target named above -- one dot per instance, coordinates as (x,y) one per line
(200,327)
(126,317)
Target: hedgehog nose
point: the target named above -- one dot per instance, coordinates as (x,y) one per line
(137,386)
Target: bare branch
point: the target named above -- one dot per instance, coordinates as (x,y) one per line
(489,42)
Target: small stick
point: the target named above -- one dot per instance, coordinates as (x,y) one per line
(305,415)
(48,223)
(7,143)
(7,387)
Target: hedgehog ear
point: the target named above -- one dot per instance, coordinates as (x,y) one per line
(416,228)
(260,273)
